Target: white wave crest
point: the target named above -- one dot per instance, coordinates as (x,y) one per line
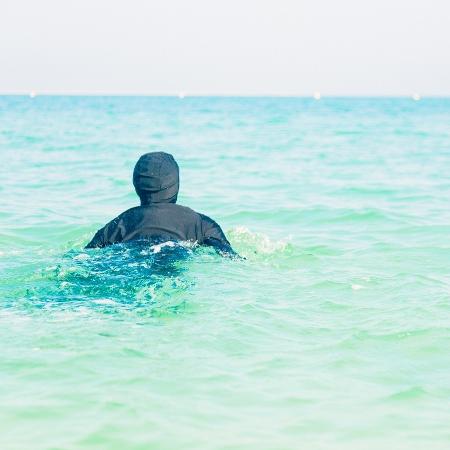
(244,239)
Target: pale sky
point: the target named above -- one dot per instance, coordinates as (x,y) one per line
(246,47)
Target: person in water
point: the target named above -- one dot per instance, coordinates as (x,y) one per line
(159,218)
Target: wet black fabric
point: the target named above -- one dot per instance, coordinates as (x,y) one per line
(156,178)
(159,218)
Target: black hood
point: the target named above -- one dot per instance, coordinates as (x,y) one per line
(156,178)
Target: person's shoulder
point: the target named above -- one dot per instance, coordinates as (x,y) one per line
(130,211)
(213,234)
(182,209)
(208,224)
(127,213)
(206,219)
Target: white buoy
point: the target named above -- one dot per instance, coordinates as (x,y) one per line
(317,95)
(32,94)
(181,95)
(416,97)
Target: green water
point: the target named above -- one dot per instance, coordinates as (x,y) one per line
(333,333)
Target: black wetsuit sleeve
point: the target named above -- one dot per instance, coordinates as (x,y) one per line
(213,236)
(98,240)
(109,234)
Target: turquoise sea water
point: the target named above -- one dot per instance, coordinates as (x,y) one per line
(333,333)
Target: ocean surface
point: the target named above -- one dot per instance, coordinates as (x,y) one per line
(334,333)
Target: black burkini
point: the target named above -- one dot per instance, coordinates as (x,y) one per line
(159,218)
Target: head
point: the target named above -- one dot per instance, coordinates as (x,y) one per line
(156,178)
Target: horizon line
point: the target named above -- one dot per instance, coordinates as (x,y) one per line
(183,94)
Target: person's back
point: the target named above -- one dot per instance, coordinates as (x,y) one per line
(159,218)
